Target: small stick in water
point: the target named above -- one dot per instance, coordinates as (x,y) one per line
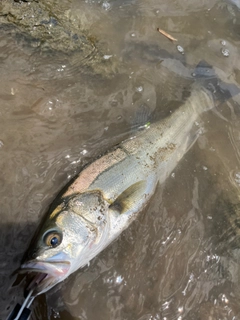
(166,34)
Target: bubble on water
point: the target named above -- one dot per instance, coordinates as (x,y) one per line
(139,89)
(225,52)
(133,34)
(67,156)
(106,5)
(180,49)
(204,168)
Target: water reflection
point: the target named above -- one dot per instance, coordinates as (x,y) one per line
(178,260)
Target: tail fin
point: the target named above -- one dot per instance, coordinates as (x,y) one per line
(207,77)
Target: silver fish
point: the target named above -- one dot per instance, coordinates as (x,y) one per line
(109,194)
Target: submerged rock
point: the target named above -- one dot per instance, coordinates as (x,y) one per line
(49,25)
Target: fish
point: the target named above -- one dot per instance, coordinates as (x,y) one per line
(109,193)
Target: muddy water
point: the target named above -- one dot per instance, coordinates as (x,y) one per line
(180,259)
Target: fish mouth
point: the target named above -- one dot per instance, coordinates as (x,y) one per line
(42,275)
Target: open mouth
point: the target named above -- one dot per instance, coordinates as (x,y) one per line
(42,276)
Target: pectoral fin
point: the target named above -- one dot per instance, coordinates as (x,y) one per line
(129,198)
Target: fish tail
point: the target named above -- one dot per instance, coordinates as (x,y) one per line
(221,91)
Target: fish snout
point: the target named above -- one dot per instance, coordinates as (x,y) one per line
(42,276)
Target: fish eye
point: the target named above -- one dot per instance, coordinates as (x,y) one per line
(52,239)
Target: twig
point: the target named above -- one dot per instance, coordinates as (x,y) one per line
(166,34)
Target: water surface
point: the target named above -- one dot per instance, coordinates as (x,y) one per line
(179,260)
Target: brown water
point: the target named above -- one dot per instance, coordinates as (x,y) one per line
(177,261)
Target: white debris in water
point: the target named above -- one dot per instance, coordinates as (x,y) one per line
(223,42)
(107,56)
(51,105)
(166,305)
(180,49)
(75,161)
(139,89)
(67,156)
(1,144)
(224,299)
(180,309)
(237,177)
(83,152)
(191,278)
(13,91)
(119,279)
(173,175)
(133,34)
(205,168)
(106,5)
(56,314)
(109,280)
(215,258)
(225,52)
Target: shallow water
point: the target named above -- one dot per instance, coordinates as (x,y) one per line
(178,260)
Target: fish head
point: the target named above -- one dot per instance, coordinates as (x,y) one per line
(67,239)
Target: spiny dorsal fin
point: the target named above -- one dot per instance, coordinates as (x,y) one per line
(129,197)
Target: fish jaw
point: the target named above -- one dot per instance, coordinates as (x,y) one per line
(44,275)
